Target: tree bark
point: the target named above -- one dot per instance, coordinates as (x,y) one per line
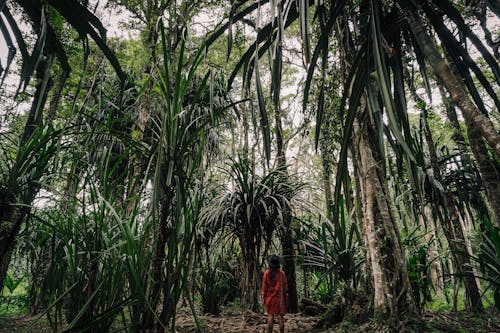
(250,250)
(144,107)
(489,175)
(8,220)
(487,169)
(392,292)
(453,229)
(327,181)
(360,216)
(164,232)
(287,235)
(427,222)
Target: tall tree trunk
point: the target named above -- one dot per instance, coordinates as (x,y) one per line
(489,175)
(139,128)
(427,222)
(327,181)
(487,169)
(164,232)
(465,227)
(326,141)
(368,285)
(286,235)
(250,248)
(426,218)
(392,291)
(453,229)
(453,85)
(8,221)
(246,129)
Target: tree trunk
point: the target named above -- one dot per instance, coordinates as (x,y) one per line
(251,282)
(470,252)
(453,85)
(487,169)
(287,235)
(327,182)
(427,222)
(8,218)
(144,107)
(453,229)
(392,292)
(489,175)
(360,217)
(164,232)
(426,219)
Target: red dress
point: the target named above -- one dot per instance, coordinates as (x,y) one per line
(275,292)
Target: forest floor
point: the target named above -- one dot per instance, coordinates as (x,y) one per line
(249,322)
(432,321)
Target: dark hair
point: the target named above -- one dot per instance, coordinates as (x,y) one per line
(274,266)
(273,261)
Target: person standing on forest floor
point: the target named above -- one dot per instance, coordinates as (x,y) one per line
(275,293)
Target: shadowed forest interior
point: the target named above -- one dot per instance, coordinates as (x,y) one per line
(154,154)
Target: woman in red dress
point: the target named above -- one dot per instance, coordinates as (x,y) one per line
(275,293)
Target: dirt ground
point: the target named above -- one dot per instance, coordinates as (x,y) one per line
(249,322)
(246,322)
(431,321)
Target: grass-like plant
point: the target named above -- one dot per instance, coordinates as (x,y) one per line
(334,250)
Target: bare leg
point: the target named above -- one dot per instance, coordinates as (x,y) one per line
(270,319)
(281,322)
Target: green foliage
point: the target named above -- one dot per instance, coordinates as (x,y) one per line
(334,249)
(12,283)
(86,274)
(22,169)
(47,22)
(418,266)
(93,254)
(489,258)
(13,305)
(217,285)
(252,206)
(322,289)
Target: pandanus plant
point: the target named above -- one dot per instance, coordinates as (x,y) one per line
(333,249)
(250,207)
(46,18)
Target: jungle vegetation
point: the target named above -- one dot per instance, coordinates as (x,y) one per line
(154,153)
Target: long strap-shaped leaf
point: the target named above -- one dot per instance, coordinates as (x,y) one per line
(410,40)
(448,8)
(383,78)
(323,46)
(12,51)
(324,35)
(266,34)
(359,75)
(304,29)
(264,122)
(463,60)
(236,18)
(84,21)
